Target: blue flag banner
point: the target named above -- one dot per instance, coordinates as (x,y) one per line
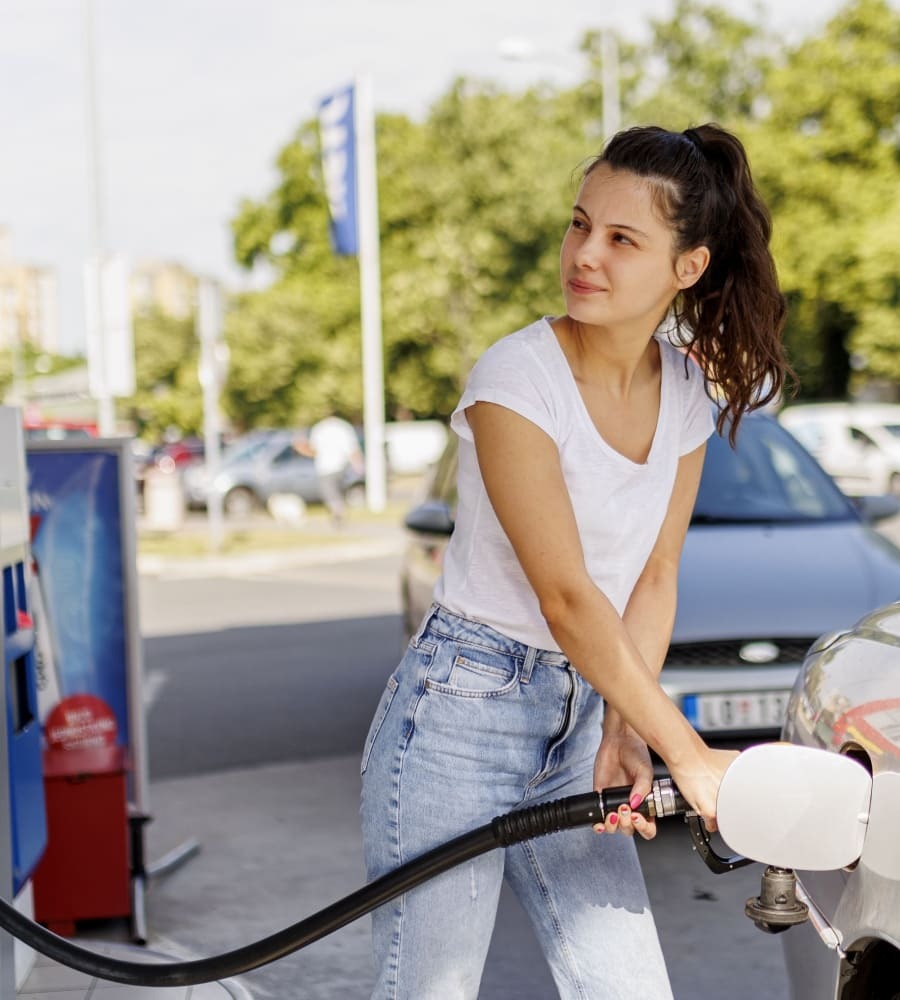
(338,137)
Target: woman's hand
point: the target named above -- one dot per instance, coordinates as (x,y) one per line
(623,759)
(699,782)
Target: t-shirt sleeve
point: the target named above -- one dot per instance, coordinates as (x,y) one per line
(698,420)
(508,374)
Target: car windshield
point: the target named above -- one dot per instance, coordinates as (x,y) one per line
(245,448)
(767,477)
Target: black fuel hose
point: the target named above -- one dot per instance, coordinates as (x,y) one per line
(503,831)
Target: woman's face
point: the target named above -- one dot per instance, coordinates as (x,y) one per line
(617,263)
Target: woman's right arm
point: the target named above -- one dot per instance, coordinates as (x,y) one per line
(521,471)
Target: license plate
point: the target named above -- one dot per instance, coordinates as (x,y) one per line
(738,710)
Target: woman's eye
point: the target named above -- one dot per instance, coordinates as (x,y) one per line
(578,223)
(622,238)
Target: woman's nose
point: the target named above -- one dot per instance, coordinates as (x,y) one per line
(589,254)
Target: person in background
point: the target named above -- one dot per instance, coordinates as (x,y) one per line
(535,673)
(334,447)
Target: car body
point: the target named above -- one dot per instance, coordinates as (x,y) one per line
(847,700)
(256,467)
(775,556)
(857,443)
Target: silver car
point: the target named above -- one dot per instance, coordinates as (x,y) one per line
(255,468)
(847,700)
(775,556)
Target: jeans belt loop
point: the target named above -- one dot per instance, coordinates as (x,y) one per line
(426,621)
(528,665)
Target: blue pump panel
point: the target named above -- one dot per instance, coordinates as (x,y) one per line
(28,817)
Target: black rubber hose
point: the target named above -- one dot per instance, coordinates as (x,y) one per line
(511,828)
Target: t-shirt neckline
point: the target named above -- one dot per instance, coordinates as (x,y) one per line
(583,410)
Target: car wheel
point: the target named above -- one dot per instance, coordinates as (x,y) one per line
(240,502)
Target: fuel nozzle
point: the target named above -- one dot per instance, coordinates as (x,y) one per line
(662,800)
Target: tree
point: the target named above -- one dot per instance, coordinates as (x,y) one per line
(472,204)
(827,157)
(702,64)
(166,352)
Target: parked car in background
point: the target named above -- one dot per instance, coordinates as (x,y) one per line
(857,443)
(847,700)
(775,555)
(58,430)
(170,456)
(255,468)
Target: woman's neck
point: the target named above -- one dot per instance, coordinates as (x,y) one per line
(610,360)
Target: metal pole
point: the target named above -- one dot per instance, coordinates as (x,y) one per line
(7,945)
(609,51)
(370,293)
(106,414)
(209,329)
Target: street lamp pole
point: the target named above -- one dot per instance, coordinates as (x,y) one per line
(609,55)
(98,358)
(523,50)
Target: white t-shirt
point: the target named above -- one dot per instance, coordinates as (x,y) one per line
(619,505)
(335,443)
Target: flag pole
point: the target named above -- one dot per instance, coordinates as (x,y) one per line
(370,296)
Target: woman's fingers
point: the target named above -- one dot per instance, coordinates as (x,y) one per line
(627,822)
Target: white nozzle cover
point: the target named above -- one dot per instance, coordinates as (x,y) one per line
(795,807)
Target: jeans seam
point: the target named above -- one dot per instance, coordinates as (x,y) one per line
(555,923)
(398,844)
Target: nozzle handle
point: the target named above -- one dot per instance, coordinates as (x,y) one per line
(663,799)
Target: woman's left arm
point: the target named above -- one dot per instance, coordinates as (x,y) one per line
(649,618)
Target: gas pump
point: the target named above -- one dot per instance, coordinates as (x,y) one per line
(23,825)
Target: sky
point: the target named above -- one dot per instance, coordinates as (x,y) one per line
(195,98)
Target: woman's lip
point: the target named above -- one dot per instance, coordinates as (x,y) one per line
(582,287)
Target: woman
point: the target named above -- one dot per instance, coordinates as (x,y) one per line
(581,446)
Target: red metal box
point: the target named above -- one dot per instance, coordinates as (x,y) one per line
(84,873)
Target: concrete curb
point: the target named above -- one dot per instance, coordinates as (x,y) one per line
(253,563)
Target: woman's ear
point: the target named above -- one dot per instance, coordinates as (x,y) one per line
(691,265)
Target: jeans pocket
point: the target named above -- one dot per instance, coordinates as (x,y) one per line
(477,673)
(384,704)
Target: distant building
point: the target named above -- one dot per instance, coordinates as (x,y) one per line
(29,303)
(163,285)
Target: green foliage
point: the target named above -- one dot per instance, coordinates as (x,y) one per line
(827,157)
(31,363)
(168,393)
(472,204)
(702,64)
(6,372)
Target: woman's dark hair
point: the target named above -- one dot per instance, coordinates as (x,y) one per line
(731,320)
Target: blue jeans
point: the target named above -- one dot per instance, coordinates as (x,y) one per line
(473,724)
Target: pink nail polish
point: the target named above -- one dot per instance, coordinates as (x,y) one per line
(636,800)
(614,819)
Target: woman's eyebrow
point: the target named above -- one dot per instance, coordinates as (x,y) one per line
(614,225)
(630,229)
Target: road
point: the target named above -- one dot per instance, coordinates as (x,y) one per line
(284,669)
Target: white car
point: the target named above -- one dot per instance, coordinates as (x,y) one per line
(857,443)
